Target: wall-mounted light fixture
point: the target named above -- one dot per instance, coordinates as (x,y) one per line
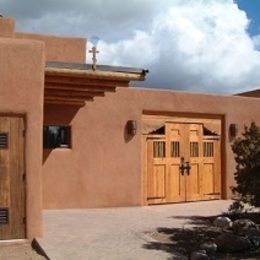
(131,127)
(233,130)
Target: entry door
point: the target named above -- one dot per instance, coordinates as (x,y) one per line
(12,186)
(157,168)
(183,165)
(211,182)
(185,150)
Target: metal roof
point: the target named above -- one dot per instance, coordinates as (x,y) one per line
(250,93)
(84,66)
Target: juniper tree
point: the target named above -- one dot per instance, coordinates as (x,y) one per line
(247,156)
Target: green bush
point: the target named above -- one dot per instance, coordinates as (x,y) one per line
(247,175)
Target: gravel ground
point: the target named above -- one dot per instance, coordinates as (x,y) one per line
(19,252)
(119,233)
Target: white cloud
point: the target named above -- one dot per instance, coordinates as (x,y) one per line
(200,45)
(197,45)
(138,51)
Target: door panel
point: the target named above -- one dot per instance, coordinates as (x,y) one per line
(175,184)
(211,181)
(175,144)
(194,156)
(157,168)
(156,180)
(208,178)
(193,183)
(12,194)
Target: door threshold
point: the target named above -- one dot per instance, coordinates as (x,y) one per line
(13,241)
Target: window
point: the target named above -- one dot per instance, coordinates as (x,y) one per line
(194,149)
(208,149)
(175,149)
(56,137)
(158,149)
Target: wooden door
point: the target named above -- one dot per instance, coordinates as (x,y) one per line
(211,179)
(157,168)
(193,155)
(176,180)
(12,186)
(183,144)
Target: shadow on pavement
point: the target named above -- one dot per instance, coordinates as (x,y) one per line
(180,242)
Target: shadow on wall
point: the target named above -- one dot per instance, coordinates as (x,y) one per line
(58,115)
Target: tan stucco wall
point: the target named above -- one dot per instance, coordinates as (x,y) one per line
(66,49)
(6,27)
(103,168)
(21,92)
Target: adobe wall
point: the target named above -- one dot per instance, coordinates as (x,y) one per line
(103,168)
(57,48)
(6,27)
(21,92)
(66,49)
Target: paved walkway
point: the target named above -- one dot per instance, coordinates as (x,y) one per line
(116,233)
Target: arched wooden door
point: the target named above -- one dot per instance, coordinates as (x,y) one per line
(183,164)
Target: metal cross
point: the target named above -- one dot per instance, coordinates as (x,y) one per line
(94,52)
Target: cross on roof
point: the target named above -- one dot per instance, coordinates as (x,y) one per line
(94,52)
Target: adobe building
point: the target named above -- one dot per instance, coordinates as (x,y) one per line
(74,137)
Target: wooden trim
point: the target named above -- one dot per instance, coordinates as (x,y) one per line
(222,139)
(80,99)
(72,93)
(183,114)
(144,201)
(62,86)
(223,155)
(85,81)
(65,102)
(93,74)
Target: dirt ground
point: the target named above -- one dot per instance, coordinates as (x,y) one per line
(22,251)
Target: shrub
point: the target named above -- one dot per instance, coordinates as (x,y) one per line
(247,175)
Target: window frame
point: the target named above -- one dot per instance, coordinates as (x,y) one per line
(47,143)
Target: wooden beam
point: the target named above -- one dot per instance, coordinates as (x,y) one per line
(72,93)
(97,74)
(85,81)
(64,99)
(63,86)
(66,103)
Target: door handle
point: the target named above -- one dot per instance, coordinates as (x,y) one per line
(188,167)
(184,166)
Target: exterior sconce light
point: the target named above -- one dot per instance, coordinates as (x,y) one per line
(233,130)
(94,40)
(131,127)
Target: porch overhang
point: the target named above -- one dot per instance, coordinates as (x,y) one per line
(74,84)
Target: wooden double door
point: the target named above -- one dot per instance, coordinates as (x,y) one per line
(12,178)
(183,164)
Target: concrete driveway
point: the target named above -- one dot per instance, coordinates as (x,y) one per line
(116,233)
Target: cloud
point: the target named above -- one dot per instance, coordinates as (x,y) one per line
(200,45)
(112,20)
(196,45)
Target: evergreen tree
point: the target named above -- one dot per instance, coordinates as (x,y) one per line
(247,157)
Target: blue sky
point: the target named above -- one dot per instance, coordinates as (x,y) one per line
(190,45)
(252,8)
